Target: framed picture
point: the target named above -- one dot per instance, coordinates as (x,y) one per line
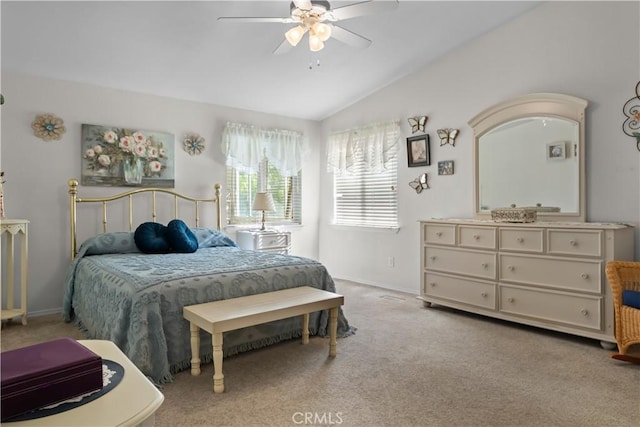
(131,157)
(418,153)
(556,151)
(445,167)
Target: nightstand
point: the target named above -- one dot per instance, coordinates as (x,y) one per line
(14,228)
(264,240)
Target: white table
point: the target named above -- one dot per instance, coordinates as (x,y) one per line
(221,316)
(133,402)
(13,228)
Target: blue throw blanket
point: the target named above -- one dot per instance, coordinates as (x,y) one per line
(115,292)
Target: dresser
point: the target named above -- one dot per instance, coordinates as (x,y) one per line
(264,240)
(545,274)
(15,231)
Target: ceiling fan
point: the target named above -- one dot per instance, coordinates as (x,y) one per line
(317,18)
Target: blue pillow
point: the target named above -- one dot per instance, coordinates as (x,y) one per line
(631,298)
(211,238)
(119,242)
(151,238)
(180,237)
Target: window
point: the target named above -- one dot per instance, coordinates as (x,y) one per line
(243,186)
(365,167)
(263,160)
(367,198)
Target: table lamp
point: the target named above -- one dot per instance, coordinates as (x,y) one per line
(263,202)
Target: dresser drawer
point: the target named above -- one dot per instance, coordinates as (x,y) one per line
(564,273)
(520,239)
(481,294)
(575,242)
(477,237)
(440,234)
(460,261)
(558,307)
(269,241)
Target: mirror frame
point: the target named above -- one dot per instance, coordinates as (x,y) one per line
(553,105)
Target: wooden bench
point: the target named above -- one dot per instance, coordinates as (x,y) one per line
(218,317)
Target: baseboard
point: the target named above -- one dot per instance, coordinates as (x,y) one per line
(375,284)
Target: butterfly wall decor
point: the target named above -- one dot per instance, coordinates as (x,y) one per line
(417,123)
(420,183)
(448,136)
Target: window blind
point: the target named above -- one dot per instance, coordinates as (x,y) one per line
(368,199)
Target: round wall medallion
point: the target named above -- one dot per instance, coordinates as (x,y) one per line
(48,127)
(193,144)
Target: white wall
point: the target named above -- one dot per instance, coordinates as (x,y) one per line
(586,49)
(36,171)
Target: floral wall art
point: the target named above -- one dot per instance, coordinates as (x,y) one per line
(114,156)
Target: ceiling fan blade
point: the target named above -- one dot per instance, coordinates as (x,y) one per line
(349,37)
(303,4)
(359,9)
(255,19)
(284,47)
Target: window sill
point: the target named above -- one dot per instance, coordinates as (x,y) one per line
(365,228)
(280,227)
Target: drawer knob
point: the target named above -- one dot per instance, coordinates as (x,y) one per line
(584,276)
(485,265)
(520,239)
(484,295)
(584,312)
(573,242)
(511,299)
(439,234)
(432,257)
(476,237)
(432,284)
(510,267)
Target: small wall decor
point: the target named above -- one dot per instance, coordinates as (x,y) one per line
(1,196)
(556,151)
(631,109)
(448,136)
(445,167)
(418,152)
(420,183)
(48,127)
(1,99)
(193,144)
(417,123)
(114,156)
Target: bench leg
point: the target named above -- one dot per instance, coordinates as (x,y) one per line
(305,328)
(333,331)
(218,377)
(195,349)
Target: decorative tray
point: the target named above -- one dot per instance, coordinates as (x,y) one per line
(514,214)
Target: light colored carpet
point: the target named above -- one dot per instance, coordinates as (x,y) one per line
(406,366)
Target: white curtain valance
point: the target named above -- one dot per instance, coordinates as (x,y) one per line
(372,146)
(245,146)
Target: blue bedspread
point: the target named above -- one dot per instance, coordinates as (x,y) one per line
(136,299)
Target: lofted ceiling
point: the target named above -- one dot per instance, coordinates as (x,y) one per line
(179,49)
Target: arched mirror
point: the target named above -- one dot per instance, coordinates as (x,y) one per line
(529,152)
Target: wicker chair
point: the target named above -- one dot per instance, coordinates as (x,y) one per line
(624,275)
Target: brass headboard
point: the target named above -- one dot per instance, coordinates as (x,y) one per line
(74,200)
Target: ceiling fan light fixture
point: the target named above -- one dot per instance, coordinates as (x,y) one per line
(322,30)
(315,44)
(295,34)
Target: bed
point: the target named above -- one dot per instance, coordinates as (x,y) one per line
(113,291)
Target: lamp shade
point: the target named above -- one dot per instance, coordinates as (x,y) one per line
(295,34)
(263,202)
